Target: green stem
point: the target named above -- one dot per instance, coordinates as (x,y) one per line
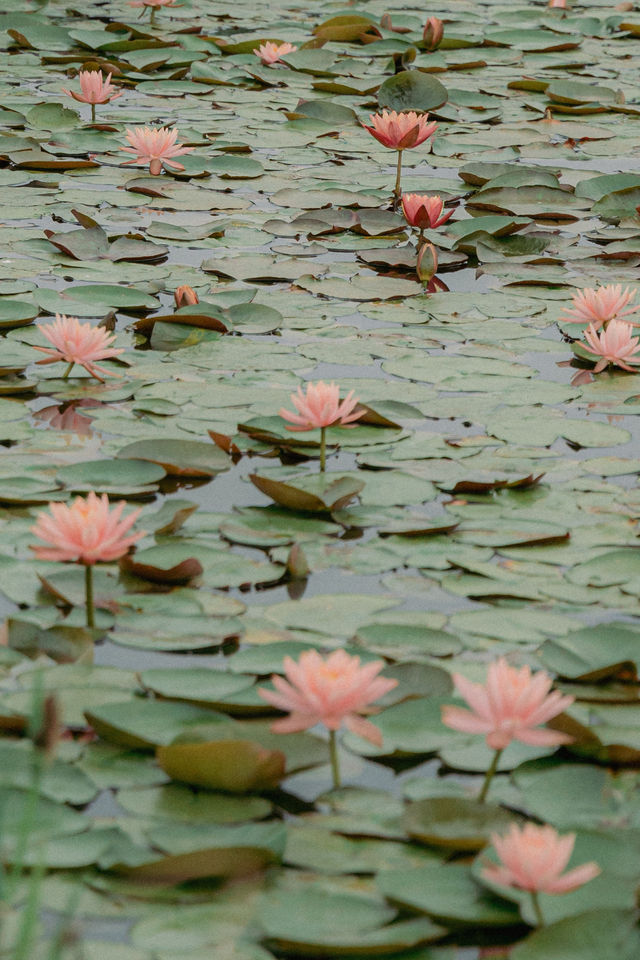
(482,796)
(333,751)
(152,16)
(93,113)
(396,193)
(88,592)
(68,370)
(323,449)
(536,908)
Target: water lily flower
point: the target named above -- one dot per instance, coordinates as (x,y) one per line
(533,858)
(335,692)
(423,211)
(80,343)
(153,5)
(155,147)
(433,33)
(511,705)
(400,131)
(271,53)
(93,89)
(614,345)
(87,532)
(598,306)
(185,296)
(561,4)
(320,407)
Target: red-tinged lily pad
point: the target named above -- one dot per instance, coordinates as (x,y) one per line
(172,564)
(179,458)
(235,766)
(310,493)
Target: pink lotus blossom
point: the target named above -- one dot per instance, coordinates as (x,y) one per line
(155,147)
(533,859)
(333,692)
(613,345)
(270,52)
(562,4)
(423,211)
(599,306)
(76,342)
(510,706)
(400,131)
(93,88)
(320,407)
(86,531)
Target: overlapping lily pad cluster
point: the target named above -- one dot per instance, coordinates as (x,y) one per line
(484,505)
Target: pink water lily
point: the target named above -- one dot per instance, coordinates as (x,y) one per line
(511,705)
(155,147)
(334,692)
(533,858)
(423,211)
(320,407)
(598,306)
(86,531)
(432,34)
(614,345)
(93,89)
(400,131)
(270,52)
(153,5)
(75,342)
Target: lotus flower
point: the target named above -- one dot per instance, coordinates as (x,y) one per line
(433,33)
(94,89)
(510,706)
(155,147)
(270,52)
(185,296)
(86,532)
(423,211)
(533,858)
(76,342)
(615,346)
(320,407)
(599,306)
(334,692)
(400,131)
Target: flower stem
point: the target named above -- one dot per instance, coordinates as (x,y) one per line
(323,449)
(396,193)
(88,592)
(152,16)
(68,370)
(93,113)
(333,751)
(482,796)
(536,908)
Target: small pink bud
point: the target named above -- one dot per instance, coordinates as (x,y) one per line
(185,296)
(297,564)
(433,33)
(427,263)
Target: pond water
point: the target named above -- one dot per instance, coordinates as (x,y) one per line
(485,506)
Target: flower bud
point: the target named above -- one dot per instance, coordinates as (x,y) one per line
(427,263)
(185,296)
(297,564)
(433,33)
